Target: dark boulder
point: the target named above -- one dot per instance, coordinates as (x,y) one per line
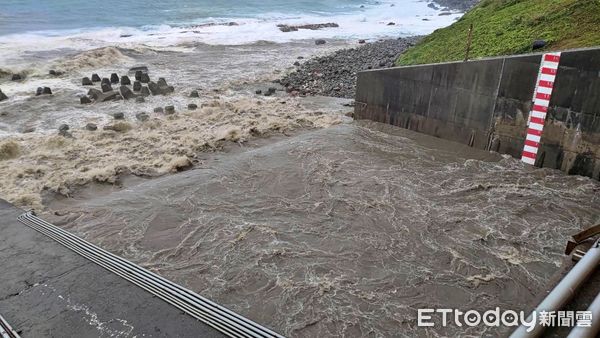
(55,72)
(119,116)
(258,92)
(143,117)
(140,99)
(91,127)
(106,87)
(125,81)
(159,110)
(114,78)
(138,75)
(126,92)
(39,91)
(537,44)
(44,91)
(391,24)
(169,110)
(145,91)
(63,130)
(142,69)
(105,80)
(320,42)
(137,86)
(86,81)
(3,96)
(361,41)
(85,100)
(144,78)
(16,77)
(296,63)
(94,93)
(194,93)
(192,106)
(109,96)
(154,89)
(95,78)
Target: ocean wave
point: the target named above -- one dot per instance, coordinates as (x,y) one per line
(370,22)
(99,57)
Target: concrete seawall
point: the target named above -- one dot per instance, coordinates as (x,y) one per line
(486,104)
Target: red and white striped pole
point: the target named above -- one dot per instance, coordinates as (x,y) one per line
(541,101)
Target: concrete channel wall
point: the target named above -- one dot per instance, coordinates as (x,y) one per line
(486,103)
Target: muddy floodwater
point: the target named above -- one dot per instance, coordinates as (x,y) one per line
(347,230)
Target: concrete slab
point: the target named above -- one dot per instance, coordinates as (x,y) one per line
(46,290)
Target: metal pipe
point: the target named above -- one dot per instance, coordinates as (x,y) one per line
(564,291)
(589,331)
(199,307)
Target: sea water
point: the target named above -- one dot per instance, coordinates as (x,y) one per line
(31,25)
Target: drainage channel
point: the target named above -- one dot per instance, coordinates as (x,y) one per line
(6,331)
(215,315)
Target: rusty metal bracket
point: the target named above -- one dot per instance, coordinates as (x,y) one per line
(581,237)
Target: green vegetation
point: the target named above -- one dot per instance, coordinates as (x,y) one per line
(502,27)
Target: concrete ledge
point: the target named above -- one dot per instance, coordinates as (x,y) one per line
(47,290)
(486,103)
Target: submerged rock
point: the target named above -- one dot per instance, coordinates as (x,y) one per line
(320,42)
(91,127)
(144,78)
(314,26)
(108,96)
(16,77)
(145,91)
(63,130)
(138,75)
(141,69)
(94,93)
(169,110)
(158,110)
(126,92)
(194,93)
(86,81)
(140,99)
(114,78)
(96,78)
(160,88)
(137,86)
(192,106)
(125,81)
(43,91)
(142,117)
(119,116)
(106,87)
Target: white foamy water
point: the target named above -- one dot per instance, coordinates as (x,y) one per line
(369,22)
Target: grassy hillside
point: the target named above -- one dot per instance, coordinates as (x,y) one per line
(503,27)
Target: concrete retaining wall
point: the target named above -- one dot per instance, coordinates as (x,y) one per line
(486,104)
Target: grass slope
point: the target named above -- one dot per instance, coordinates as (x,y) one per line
(502,27)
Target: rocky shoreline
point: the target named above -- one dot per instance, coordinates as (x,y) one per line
(335,74)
